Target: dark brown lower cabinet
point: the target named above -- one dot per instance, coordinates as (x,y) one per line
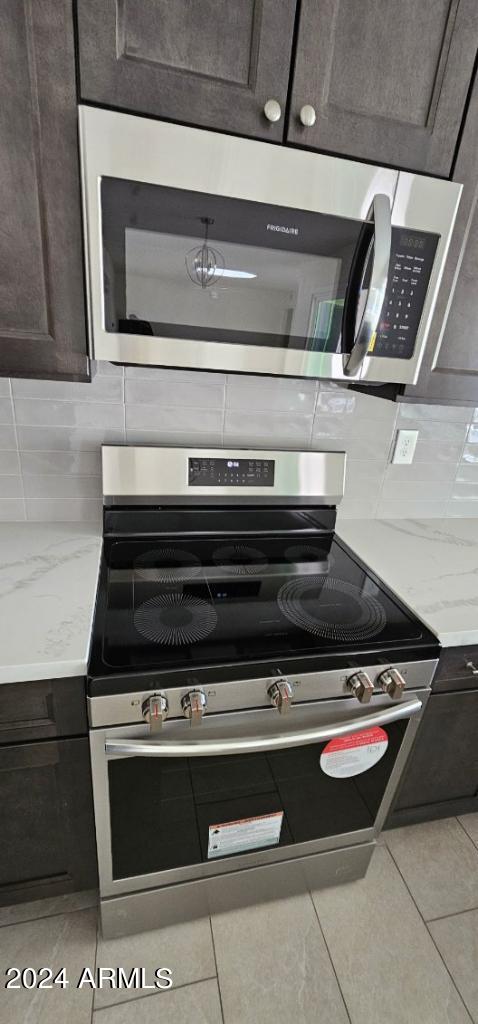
(46,819)
(441,778)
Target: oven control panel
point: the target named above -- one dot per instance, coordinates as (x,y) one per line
(411,263)
(214,472)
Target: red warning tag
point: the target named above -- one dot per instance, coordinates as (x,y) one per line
(353,754)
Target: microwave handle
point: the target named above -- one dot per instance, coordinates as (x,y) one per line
(382,247)
(254,744)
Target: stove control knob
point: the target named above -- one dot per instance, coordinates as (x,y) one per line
(281,694)
(155,710)
(392,682)
(194,705)
(361,686)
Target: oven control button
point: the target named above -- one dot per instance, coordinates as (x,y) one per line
(281,695)
(155,710)
(194,705)
(392,682)
(361,686)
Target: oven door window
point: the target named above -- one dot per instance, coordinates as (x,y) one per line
(163,811)
(191,266)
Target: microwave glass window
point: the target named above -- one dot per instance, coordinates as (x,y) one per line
(187,265)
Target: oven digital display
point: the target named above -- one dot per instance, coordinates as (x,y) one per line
(231,472)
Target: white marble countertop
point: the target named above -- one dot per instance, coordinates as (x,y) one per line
(48,577)
(431,564)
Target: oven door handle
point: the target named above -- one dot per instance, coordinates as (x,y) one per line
(260,744)
(382,247)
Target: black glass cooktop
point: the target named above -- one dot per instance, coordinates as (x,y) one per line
(173,604)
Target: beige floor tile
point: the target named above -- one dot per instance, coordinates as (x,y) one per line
(68,941)
(439,864)
(387,966)
(194,1004)
(186,949)
(470,824)
(49,906)
(457,940)
(273,965)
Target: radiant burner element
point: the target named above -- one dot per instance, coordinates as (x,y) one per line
(240,559)
(167,565)
(331,608)
(175,619)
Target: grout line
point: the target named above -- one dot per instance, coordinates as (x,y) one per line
(330,958)
(455,986)
(151,995)
(20,470)
(217,972)
(224,410)
(467,833)
(456,913)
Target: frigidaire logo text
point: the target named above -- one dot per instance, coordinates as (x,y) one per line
(281,227)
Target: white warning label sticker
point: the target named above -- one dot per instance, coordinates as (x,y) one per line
(244,834)
(354,754)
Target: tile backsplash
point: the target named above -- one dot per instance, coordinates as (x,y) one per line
(51,433)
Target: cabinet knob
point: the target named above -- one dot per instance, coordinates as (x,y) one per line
(272,110)
(307,115)
(472,667)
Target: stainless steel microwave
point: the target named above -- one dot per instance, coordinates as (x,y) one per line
(212,252)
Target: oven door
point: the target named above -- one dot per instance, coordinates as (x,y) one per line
(245,788)
(206,251)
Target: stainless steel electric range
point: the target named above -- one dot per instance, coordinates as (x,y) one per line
(254,690)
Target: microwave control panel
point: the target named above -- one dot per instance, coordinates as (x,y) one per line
(411,263)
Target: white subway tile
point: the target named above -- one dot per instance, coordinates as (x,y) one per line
(250,424)
(66,438)
(77,463)
(11,511)
(241,398)
(6,410)
(48,413)
(172,418)
(59,511)
(184,395)
(102,388)
(67,486)
(9,464)
(11,487)
(7,438)
(442,413)
(175,438)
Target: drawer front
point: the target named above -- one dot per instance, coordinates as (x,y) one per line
(457,669)
(43,709)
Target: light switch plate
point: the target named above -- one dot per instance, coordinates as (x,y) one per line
(405,444)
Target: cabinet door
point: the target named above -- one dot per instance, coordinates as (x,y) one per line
(46,820)
(212,62)
(449,371)
(43,709)
(42,311)
(444,762)
(388,80)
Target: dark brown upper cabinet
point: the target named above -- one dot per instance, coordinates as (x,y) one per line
(449,372)
(387,80)
(42,308)
(212,63)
